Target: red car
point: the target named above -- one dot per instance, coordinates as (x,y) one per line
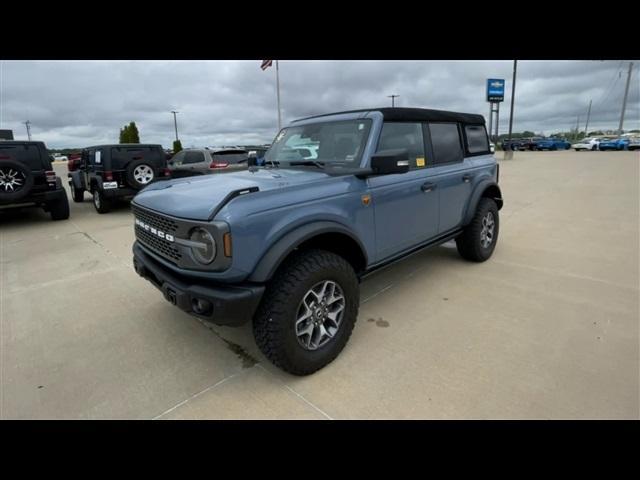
(74,161)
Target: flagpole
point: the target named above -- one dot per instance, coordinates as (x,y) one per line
(278,94)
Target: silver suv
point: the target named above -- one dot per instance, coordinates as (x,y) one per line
(203,161)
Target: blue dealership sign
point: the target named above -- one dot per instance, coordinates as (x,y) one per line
(495,90)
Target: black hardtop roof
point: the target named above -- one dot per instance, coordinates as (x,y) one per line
(404,114)
(125,145)
(21,142)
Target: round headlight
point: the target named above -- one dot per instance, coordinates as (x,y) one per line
(206,251)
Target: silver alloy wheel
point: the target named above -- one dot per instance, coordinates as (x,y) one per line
(96,199)
(319,314)
(11,180)
(488,229)
(143,174)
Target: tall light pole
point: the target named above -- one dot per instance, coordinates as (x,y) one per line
(624,102)
(393,98)
(28,125)
(513,96)
(586,127)
(278,95)
(175,123)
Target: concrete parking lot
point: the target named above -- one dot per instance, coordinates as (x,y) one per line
(547,328)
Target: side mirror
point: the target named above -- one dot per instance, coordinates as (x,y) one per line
(252,160)
(390,161)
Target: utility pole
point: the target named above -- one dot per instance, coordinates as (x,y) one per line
(393,98)
(624,102)
(586,127)
(28,125)
(175,123)
(513,96)
(577,127)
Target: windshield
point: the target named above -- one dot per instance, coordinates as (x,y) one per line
(329,143)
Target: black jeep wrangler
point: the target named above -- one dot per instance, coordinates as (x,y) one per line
(113,172)
(27,179)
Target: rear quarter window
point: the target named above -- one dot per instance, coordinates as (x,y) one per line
(477,141)
(231,156)
(28,155)
(445,140)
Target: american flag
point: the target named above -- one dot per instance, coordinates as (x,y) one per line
(266,64)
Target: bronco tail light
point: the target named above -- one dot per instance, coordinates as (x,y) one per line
(108,176)
(51,176)
(218,165)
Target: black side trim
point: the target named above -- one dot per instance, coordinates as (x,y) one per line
(412,251)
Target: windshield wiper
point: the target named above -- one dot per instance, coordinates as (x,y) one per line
(310,163)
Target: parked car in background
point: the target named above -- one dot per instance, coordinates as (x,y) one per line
(519,144)
(74,161)
(58,157)
(27,179)
(553,144)
(590,143)
(634,143)
(117,172)
(203,161)
(615,144)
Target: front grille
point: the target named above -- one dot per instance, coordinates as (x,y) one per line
(162,247)
(156,244)
(155,220)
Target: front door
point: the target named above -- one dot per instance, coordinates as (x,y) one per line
(405,205)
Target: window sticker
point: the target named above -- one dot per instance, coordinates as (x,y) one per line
(420,161)
(98,156)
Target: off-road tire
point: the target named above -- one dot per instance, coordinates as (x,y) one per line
(7,195)
(59,209)
(77,193)
(274,322)
(101,204)
(468,243)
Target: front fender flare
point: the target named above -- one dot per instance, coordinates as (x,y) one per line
(477,194)
(276,254)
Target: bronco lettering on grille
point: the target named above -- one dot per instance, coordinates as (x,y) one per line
(158,233)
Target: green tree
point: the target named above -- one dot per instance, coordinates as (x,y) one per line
(177,146)
(134,136)
(122,135)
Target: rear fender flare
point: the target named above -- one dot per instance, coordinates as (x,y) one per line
(478,194)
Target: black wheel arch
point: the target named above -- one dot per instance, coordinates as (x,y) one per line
(485,189)
(326,235)
(77,179)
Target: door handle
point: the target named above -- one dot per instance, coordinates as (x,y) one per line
(428,187)
(467,178)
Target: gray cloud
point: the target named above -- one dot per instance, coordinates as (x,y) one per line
(79,103)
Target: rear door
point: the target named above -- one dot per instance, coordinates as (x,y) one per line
(453,174)
(405,205)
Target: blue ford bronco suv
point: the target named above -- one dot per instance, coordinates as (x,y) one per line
(286,244)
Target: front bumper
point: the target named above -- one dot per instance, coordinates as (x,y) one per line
(230,305)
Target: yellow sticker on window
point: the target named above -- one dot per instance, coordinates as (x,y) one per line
(420,162)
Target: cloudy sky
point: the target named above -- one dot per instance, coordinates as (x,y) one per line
(80,103)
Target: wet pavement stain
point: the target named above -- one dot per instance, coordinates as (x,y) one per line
(371,319)
(247,359)
(382,323)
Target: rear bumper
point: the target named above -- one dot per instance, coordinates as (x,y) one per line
(230,305)
(39,198)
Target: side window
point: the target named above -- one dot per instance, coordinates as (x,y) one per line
(178,158)
(445,140)
(404,135)
(92,157)
(193,157)
(477,141)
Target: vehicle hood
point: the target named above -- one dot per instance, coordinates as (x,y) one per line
(198,198)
